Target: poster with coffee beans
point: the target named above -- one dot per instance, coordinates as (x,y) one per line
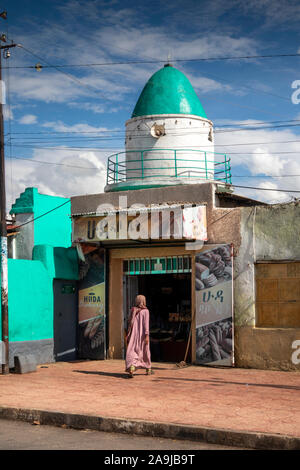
(214,306)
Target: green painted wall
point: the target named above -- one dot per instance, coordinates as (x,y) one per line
(30,301)
(55,227)
(30,291)
(30,282)
(60,263)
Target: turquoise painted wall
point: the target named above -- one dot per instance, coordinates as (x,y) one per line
(30,291)
(55,227)
(30,282)
(30,301)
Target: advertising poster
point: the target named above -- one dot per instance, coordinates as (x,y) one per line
(214,306)
(194,223)
(91,299)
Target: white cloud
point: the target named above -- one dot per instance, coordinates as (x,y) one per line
(259,153)
(203,84)
(64,176)
(59,126)
(95,108)
(28,119)
(277,196)
(123,42)
(262,162)
(274,13)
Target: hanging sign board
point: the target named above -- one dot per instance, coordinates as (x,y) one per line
(214,306)
(155,222)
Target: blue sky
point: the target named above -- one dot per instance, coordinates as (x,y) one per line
(75,116)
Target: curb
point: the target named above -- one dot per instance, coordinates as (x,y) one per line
(245,439)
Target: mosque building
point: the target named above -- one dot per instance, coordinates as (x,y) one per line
(169,226)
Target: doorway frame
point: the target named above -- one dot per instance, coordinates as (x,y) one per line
(116,279)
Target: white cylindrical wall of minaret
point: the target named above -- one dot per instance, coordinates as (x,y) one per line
(150,157)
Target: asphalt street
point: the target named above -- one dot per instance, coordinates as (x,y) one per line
(18,435)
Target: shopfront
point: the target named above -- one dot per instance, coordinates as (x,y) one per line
(162,253)
(189,296)
(166,284)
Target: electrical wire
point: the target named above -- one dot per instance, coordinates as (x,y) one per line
(133,62)
(42,215)
(30,160)
(94,89)
(57,67)
(68,201)
(267,189)
(121,130)
(217,129)
(95,149)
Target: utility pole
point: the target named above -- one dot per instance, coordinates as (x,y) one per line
(3,230)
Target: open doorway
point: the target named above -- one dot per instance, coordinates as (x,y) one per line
(169,301)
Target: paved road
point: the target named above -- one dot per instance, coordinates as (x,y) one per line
(18,435)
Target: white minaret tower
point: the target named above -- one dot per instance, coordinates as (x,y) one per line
(169,139)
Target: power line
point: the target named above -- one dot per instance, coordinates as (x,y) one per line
(235,186)
(121,130)
(30,160)
(133,62)
(267,189)
(95,149)
(247,87)
(122,136)
(255,128)
(42,215)
(265,176)
(58,67)
(95,89)
(217,128)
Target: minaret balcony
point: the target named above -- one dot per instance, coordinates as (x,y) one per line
(136,169)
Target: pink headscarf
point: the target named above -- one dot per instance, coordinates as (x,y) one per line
(140,304)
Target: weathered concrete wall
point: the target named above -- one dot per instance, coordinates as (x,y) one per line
(24,241)
(198,193)
(268,233)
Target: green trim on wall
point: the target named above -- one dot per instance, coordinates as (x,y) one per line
(25,202)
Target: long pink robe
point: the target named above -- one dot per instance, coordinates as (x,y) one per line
(138,352)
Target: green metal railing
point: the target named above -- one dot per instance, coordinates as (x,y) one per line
(134,164)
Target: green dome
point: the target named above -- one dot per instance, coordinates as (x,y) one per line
(168,91)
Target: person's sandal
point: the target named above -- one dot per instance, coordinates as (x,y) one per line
(149,372)
(131,371)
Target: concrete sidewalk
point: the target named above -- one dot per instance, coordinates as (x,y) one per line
(238,407)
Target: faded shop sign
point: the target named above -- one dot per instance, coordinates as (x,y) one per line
(147,223)
(214,306)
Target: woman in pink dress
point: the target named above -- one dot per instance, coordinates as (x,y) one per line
(138,348)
